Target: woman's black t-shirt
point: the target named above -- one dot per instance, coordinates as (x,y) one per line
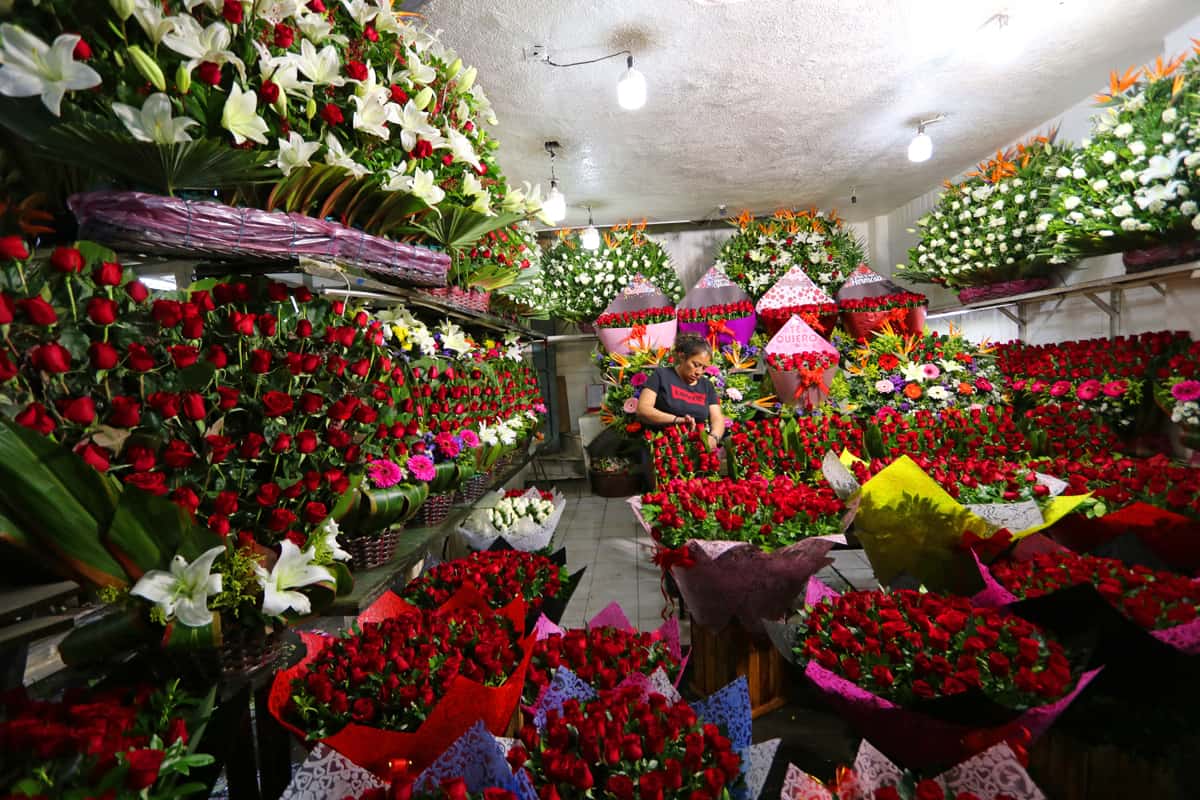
(677,398)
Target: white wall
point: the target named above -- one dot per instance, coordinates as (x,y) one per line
(1077,317)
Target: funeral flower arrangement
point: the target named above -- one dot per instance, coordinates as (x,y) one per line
(992,227)
(763,250)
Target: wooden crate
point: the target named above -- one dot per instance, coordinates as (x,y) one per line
(719,657)
(1067,769)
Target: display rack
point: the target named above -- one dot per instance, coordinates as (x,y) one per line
(1107,294)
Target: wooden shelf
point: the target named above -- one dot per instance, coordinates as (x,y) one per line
(22,601)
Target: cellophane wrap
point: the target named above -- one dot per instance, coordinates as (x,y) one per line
(170,226)
(715,289)
(463,703)
(479,534)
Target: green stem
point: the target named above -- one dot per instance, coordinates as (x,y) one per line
(21,272)
(71,294)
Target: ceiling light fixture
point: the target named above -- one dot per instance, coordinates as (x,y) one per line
(554,207)
(631,88)
(921,147)
(590,237)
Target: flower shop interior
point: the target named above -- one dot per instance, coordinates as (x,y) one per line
(688,400)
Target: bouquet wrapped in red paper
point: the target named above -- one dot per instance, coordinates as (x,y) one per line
(718,310)
(795,294)
(640,317)
(926,677)
(409,681)
(868,301)
(807,364)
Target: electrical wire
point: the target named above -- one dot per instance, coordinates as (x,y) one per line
(590,61)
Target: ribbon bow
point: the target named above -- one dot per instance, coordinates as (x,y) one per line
(637,338)
(809,377)
(716,327)
(665,558)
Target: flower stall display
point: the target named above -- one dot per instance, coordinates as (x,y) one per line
(930,678)
(640,317)
(801,364)
(1177,393)
(581,282)
(795,446)
(987,236)
(350,110)
(997,773)
(525,520)
(497,575)
(796,294)
(118,742)
(763,250)
(680,452)
(407,682)
(717,309)
(867,301)
(1133,184)
(906,373)
(508,258)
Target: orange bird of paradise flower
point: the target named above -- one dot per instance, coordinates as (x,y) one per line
(1119,83)
(742,220)
(1160,70)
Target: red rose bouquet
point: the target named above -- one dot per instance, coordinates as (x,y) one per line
(1069,429)
(115,743)
(794,446)
(817,316)
(718,312)
(868,302)
(623,745)
(631,319)
(903,300)
(988,432)
(678,451)
(499,576)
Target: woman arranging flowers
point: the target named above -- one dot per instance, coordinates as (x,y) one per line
(682,395)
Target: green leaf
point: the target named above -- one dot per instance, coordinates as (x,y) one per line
(197,376)
(457,228)
(147,531)
(188,638)
(95,253)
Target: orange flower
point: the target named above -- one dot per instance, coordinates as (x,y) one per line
(1119,83)
(913,391)
(965,388)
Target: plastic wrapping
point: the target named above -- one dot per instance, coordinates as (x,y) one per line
(795,291)
(796,336)
(715,289)
(639,295)
(148,223)
(479,534)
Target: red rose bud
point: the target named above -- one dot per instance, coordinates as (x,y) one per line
(7,308)
(52,358)
(284,36)
(267,324)
(317,6)
(252,444)
(66,259)
(306,441)
(103,355)
(268,495)
(167,313)
(398,95)
(38,310)
(8,370)
(165,403)
(282,443)
(260,362)
(219,449)
(315,512)
(217,356)
(356,70)
(102,311)
(277,404)
(124,412)
(361,367)
(94,456)
(186,499)
(423,149)
(12,248)
(35,417)
(339,307)
(370,34)
(137,291)
(143,768)
(193,406)
(107,274)
(332,115)
(280,519)
(80,410)
(304,328)
(268,92)
(229,397)
(140,359)
(210,73)
(233,12)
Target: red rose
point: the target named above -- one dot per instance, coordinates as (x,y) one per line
(356,70)
(398,94)
(268,92)
(929,790)
(284,36)
(8,370)
(143,768)
(260,361)
(167,313)
(252,444)
(454,789)
(219,448)
(887,793)
(233,12)
(96,457)
(52,358)
(280,519)
(229,397)
(217,356)
(186,499)
(152,482)
(306,441)
(621,786)
(165,403)
(210,73)
(310,403)
(7,308)
(107,274)
(137,291)
(226,503)
(361,367)
(268,495)
(315,512)
(422,149)
(38,310)
(184,355)
(103,355)
(178,454)
(124,412)
(12,248)
(102,311)
(80,410)
(277,404)
(304,328)
(194,406)
(332,115)
(267,324)
(177,731)
(282,443)
(140,359)
(66,259)
(35,417)
(193,327)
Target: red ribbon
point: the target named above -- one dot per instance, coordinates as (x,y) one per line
(810,377)
(637,337)
(716,327)
(665,558)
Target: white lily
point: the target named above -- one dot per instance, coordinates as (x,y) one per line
(420,74)
(1161,167)
(183,592)
(150,16)
(362,11)
(912,371)
(372,113)
(950,365)
(322,67)
(453,337)
(197,43)
(462,148)
(294,570)
(153,121)
(317,28)
(29,67)
(330,530)
(514,200)
(277,11)
(472,187)
(423,184)
(414,124)
(507,435)
(240,116)
(483,204)
(294,153)
(386,20)
(1156,197)
(336,156)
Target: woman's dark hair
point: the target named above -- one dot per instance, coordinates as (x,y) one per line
(690,344)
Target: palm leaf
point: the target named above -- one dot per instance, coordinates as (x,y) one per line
(457,227)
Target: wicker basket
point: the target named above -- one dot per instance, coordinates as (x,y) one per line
(474,489)
(240,653)
(1164,255)
(996,291)
(471,300)
(620,484)
(433,511)
(370,551)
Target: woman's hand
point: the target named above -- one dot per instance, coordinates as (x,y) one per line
(687,420)
(712,442)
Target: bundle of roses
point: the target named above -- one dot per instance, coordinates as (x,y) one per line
(1115,401)
(988,432)
(629,319)
(499,576)
(924,675)
(797,362)
(882,303)
(759,254)
(990,227)
(970,479)
(1121,480)
(1070,430)
(795,446)
(1129,357)
(679,451)
(1133,183)
(508,259)
(118,743)
(581,282)
(623,744)
(766,513)
(906,373)
(329,95)
(720,312)
(407,681)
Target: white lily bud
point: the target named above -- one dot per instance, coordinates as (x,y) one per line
(423,98)
(468,80)
(123,8)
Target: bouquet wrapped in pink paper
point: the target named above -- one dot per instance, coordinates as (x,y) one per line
(868,301)
(801,364)
(718,310)
(640,317)
(795,294)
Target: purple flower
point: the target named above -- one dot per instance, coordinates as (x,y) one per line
(639,379)
(905,406)
(383,474)
(421,467)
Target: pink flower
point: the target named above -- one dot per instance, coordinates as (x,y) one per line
(1088,390)
(983,384)
(1115,388)
(630,406)
(469,438)
(930,371)
(447,446)
(421,467)
(1060,388)
(639,379)
(1037,387)
(1019,384)
(384,473)
(1186,391)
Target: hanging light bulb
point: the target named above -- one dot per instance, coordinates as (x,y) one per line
(631,89)
(590,238)
(921,147)
(554,208)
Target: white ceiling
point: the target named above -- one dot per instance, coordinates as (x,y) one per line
(771,103)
